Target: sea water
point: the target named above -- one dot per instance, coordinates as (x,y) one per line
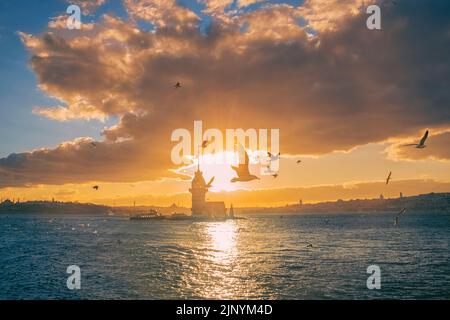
(308,256)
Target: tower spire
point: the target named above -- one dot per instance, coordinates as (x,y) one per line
(199,156)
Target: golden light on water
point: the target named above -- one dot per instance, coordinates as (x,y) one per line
(215,267)
(222,239)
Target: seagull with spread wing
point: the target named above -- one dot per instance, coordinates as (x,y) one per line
(396,219)
(388,178)
(421,143)
(273,157)
(205,143)
(209,184)
(242,170)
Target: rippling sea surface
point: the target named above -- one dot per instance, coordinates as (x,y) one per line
(263,257)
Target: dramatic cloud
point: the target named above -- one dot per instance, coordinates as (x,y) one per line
(326,15)
(75,111)
(162,13)
(80,161)
(346,86)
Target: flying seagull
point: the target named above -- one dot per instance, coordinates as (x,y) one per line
(389,177)
(205,143)
(273,157)
(210,183)
(419,145)
(396,219)
(177,85)
(242,169)
(95,188)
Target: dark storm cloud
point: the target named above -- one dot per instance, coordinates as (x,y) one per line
(345,87)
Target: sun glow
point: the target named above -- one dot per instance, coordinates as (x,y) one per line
(218,165)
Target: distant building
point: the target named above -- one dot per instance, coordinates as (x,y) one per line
(300,202)
(381,197)
(401,194)
(201,207)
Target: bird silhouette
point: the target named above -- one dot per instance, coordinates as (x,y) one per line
(96,188)
(273,157)
(242,169)
(299,161)
(421,143)
(209,184)
(205,143)
(397,218)
(388,178)
(177,85)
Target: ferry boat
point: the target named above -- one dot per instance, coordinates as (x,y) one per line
(151,215)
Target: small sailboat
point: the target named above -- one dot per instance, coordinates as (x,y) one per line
(232,216)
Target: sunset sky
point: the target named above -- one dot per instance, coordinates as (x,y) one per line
(345,98)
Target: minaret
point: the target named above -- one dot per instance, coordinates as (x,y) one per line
(231,215)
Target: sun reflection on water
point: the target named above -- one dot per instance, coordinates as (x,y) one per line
(216,261)
(222,241)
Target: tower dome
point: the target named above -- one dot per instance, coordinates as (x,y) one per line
(198,181)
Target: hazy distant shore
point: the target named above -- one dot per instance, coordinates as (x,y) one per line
(52,207)
(432,202)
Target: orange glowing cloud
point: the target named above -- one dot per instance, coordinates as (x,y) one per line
(347,86)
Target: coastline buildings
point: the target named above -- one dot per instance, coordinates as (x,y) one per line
(431,202)
(201,207)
